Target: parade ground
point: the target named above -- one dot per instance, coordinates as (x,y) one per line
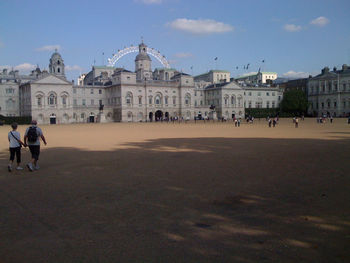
(180,192)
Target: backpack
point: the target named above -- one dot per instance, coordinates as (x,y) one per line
(32,135)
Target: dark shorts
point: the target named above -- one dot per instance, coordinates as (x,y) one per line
(16,151)
(35,151)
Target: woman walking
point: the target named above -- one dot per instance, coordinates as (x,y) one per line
(15,142)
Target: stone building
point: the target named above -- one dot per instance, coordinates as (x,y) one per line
(126,96)
(258,78)
(329,92)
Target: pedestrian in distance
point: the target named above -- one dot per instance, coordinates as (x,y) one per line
(296,122)
(32,138)
(15,142)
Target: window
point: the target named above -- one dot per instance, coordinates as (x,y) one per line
(174,100)
(166,100)
(92,102)
(267,94)
(99,91)
(157,100)
(140,100)
(335,104)
(322,105)
(52,100)
(83,102)
(64,100)
(267,104)
(100,102)
(75,102)
(75,91)
(10,91)
(273,94)
(279,98)
(58,70)
(273,104)
(249,94)
(91,91)
(82,116)
(249,104)
(39,101)
(259,93)
(150,100)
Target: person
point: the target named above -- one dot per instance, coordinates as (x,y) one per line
(32,139)
(269,123)
(15,142)
(296,122)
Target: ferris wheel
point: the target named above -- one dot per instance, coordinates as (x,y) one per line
(132,49)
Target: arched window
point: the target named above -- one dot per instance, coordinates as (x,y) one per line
(150,99)
(166,76)
(240,101)
(226,100)
(140,100)
(233,101)
(128,98)
(52,99)
(58,70)
(157,99)
(187,99)
(39,100)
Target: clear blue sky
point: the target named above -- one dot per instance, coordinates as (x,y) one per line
(295,38)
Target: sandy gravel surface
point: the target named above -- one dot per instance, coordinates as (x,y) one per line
(194,192)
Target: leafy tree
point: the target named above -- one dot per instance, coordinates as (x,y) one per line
(294,102)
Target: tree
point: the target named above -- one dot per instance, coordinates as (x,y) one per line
(295,102)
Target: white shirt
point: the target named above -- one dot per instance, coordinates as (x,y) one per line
(38,132)
(13,142)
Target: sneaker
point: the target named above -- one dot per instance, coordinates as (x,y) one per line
(37,167)
(30,167)
(19,168)
(9,168)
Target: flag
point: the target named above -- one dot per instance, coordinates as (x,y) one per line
(263,61)
(216,58)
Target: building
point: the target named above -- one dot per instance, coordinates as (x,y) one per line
(214,76)
(129,96)
(258,78)
(329,92)
(262,97)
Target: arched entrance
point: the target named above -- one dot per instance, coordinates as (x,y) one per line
(159,115)
(53,118)
(150,116)
(92,117)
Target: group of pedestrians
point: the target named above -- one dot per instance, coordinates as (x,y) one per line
(272,121)
(32,137)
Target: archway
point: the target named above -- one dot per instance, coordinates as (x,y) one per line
(52,118)
(159,115)
(150,116)
(92,117)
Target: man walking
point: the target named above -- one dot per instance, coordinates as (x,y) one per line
(32,139)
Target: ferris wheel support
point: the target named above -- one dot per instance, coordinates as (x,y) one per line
(132,49)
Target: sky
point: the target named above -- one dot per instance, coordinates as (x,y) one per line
(291,37)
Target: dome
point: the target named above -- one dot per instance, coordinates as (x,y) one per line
(142,56)
(56,55)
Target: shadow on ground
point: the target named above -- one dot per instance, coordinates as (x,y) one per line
(181,200)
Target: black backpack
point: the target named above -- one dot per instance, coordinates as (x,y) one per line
(32,135)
